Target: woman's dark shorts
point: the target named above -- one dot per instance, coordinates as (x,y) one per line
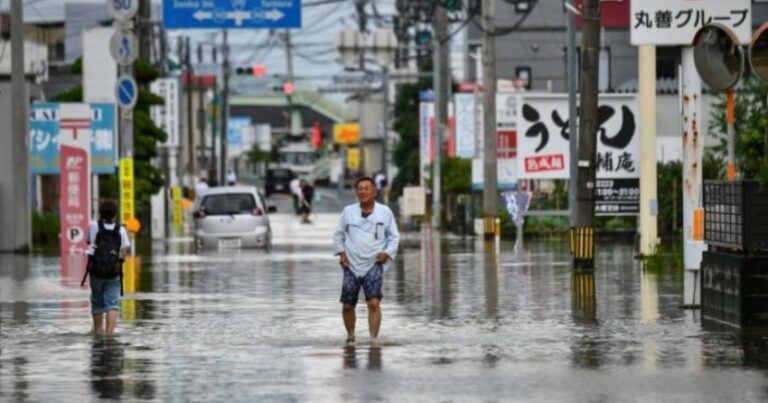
(371,283)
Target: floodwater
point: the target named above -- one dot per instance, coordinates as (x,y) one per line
(460,324)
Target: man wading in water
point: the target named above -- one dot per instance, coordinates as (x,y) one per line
(366,241)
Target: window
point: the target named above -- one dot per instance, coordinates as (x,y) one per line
(228,203)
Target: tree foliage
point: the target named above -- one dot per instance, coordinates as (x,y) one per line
(751,127)
(146,135)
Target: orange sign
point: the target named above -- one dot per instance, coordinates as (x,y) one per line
(346,133)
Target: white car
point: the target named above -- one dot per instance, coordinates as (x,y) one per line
(232,217)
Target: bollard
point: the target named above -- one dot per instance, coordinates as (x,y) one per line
(497,234)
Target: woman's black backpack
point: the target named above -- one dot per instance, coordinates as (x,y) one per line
(106,261)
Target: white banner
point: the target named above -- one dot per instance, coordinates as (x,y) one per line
(542,143)
(506,174)
(506,111)
(166,117)
(465,125)
(674,22)
(426,118)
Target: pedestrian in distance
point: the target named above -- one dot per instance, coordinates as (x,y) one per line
(295,186)
(201,187)
(307,195)
(381,182)
(366,240)
(108,243)
(231,178)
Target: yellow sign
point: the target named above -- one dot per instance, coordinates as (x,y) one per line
(130,282)
(346,133)
(177,211)
(353,159)
(126,189)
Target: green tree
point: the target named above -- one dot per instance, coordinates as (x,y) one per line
(406,152)
(750,127)
(148,179)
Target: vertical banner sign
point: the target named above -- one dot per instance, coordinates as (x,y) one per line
(177,212)
(75,191)
(426,117)
(465,125)
(126,189)
(543,151)
(166,116)
(353,159)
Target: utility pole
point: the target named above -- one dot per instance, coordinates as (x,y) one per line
(582,234)
(212,167)
(188,87)
(441,77)
(362,27)
(144,22)
(201,108)
(224,107)
(295,115)
(490,191)
(573,135)
(16,216)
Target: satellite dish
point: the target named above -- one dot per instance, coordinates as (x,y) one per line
(718,56)
(758,53)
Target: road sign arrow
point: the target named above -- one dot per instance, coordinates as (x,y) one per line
(274,15)
(201,15)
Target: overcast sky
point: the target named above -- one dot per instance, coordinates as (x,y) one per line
(315,52)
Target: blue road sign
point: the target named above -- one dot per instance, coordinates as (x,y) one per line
(126,92)
(44,138)
(219,14)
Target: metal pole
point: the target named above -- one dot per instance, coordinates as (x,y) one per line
(190,168)
(437,138)
(583,230)
(19,213)
(648,180)
(573,137)
(490,191)
(730,118)
(692,175)
(224,108)
(384,121)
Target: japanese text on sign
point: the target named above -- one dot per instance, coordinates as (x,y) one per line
(674,22)
(543,141)
(126,189)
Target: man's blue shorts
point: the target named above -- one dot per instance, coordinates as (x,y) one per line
(371,283)
(105,294)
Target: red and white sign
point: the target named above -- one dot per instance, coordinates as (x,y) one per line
(75,190)
(542,137)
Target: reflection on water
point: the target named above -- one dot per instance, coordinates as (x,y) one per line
(461,322)
(107,361)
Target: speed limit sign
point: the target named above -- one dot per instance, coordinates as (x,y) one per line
(123,10)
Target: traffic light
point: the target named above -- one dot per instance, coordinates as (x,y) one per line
(288,88)
(257,70)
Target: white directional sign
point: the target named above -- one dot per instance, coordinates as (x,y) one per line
(674,22)
(123,10)
(124,47)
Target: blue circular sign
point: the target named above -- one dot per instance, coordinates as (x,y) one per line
(126,92)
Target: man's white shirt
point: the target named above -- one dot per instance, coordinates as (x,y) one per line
(363,238)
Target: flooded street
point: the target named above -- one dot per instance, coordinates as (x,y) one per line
(266,326)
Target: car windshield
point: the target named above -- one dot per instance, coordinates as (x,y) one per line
(228,203)
(280,174)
